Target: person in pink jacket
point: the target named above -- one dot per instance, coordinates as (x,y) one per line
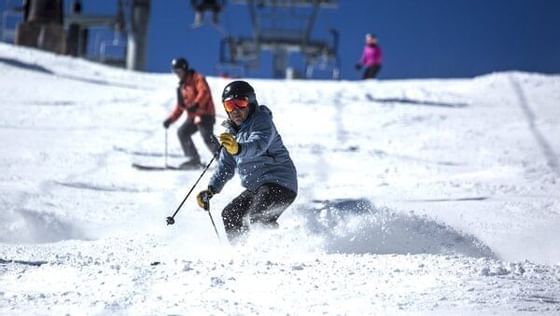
(371,58)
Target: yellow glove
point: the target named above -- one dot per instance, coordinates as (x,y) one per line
(203,199)
(229,143)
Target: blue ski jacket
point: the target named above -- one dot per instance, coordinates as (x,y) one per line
(262,158)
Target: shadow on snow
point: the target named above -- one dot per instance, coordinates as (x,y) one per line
(34,67)
(27,66)
(416,102)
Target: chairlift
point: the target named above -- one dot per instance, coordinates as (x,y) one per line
(283,27)
(113,51)
(11,17)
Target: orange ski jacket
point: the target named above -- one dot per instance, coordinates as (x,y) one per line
(193,96)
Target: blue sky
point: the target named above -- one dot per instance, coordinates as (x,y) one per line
(420,39)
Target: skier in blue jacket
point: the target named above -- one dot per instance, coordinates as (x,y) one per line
(253,147)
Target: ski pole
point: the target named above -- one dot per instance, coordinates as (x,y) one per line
(212,220)
(166,147)
(171,219)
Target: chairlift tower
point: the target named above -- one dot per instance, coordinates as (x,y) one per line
(129,25)
(70,33)
(283,27)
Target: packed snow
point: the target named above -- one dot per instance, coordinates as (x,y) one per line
(436,197)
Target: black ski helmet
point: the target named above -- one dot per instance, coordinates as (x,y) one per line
(180,63)
(239,88)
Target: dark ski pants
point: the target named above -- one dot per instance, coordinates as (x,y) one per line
(371,72)
(262,206)
(206,128)
(206,5)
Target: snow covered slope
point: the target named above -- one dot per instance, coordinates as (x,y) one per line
(416,196)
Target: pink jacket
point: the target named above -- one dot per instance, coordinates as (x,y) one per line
(371,55)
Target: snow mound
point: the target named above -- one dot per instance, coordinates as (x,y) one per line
(30,226)
(357,226)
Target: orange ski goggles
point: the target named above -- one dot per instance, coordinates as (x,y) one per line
(237,102)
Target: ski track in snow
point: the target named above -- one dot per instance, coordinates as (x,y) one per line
(551,156)
(416,196)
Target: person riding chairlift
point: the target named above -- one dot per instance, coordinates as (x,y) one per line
(199,6)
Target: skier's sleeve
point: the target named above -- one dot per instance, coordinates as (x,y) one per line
(363,58)
(379,56)
(224,172)
(260,138)
(177,111)
(203,94)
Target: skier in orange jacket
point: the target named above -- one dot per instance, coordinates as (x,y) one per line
(194,97)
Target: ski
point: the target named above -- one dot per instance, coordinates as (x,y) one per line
(162,168)
(146,153)
(154,167)
(216,27)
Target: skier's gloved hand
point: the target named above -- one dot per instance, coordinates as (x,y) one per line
(229,143)
(358,66)
(166,123)
(192,108)
(203,198)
